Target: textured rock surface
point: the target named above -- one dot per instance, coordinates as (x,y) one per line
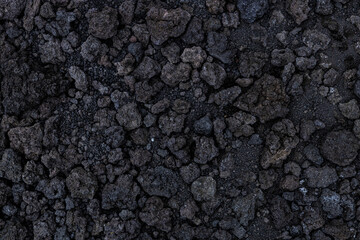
(179,119)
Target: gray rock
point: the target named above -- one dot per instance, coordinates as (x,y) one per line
(230,19)
(324,7)
(203,188)
(266,99)
(136,50)
(189,209)
(139,157)
(103,24)
(10,9)
(340,147)
(316,40)
(350,109)
(356,128)
(159,181)
(154,214)
(147,69)
(320,177)
(126,10)
(172,74)
(51,52)
(218,47)
(240,124)
(251,10)
(205,150)
(129,116)
(215,6)
(312,219)
(80,78)
(227,96)
(227,165)
(194,33)
(307,128)
(125,66)
(281,57)
(267,178)
(203,126)
(213,74)
(331,203)
(255,139)
(91,48)
(280,212)
(32,8)
(163,23)
(190,172)
(298,9)
(81,184)
(313,154)
(171,52)
(120,194)
(47,10)
(63,22)
(27,140)
(338,229)
(52,189)
(10,166)
(195,55)
(244,207)
(290,183)
(304,63)
(171,122)
(331,77)
(9,210)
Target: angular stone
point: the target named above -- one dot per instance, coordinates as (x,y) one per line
(320,177)
(159,181)
(298,9)
(81,184)
(27,140)
(251,10)
(80,78)
(213,74)
(103,24)
(163,23)
(203,188)
(10,166)
(340,147)
(129,116)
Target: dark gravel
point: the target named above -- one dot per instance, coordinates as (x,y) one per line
(179,119)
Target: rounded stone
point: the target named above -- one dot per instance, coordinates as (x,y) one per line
(203,188)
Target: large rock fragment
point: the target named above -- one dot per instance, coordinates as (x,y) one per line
(103,24)
(10,166)
(213,74)
(340,147)
(267,99)
(159,181)
(298,9)
(81,184)
(163,23)
(27,140)
(320,177)
(203,188)
(252,10)
(10,9)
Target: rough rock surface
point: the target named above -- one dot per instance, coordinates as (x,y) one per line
(252,10)
(103,24)
(163,23)
(340,147)
(179,119)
